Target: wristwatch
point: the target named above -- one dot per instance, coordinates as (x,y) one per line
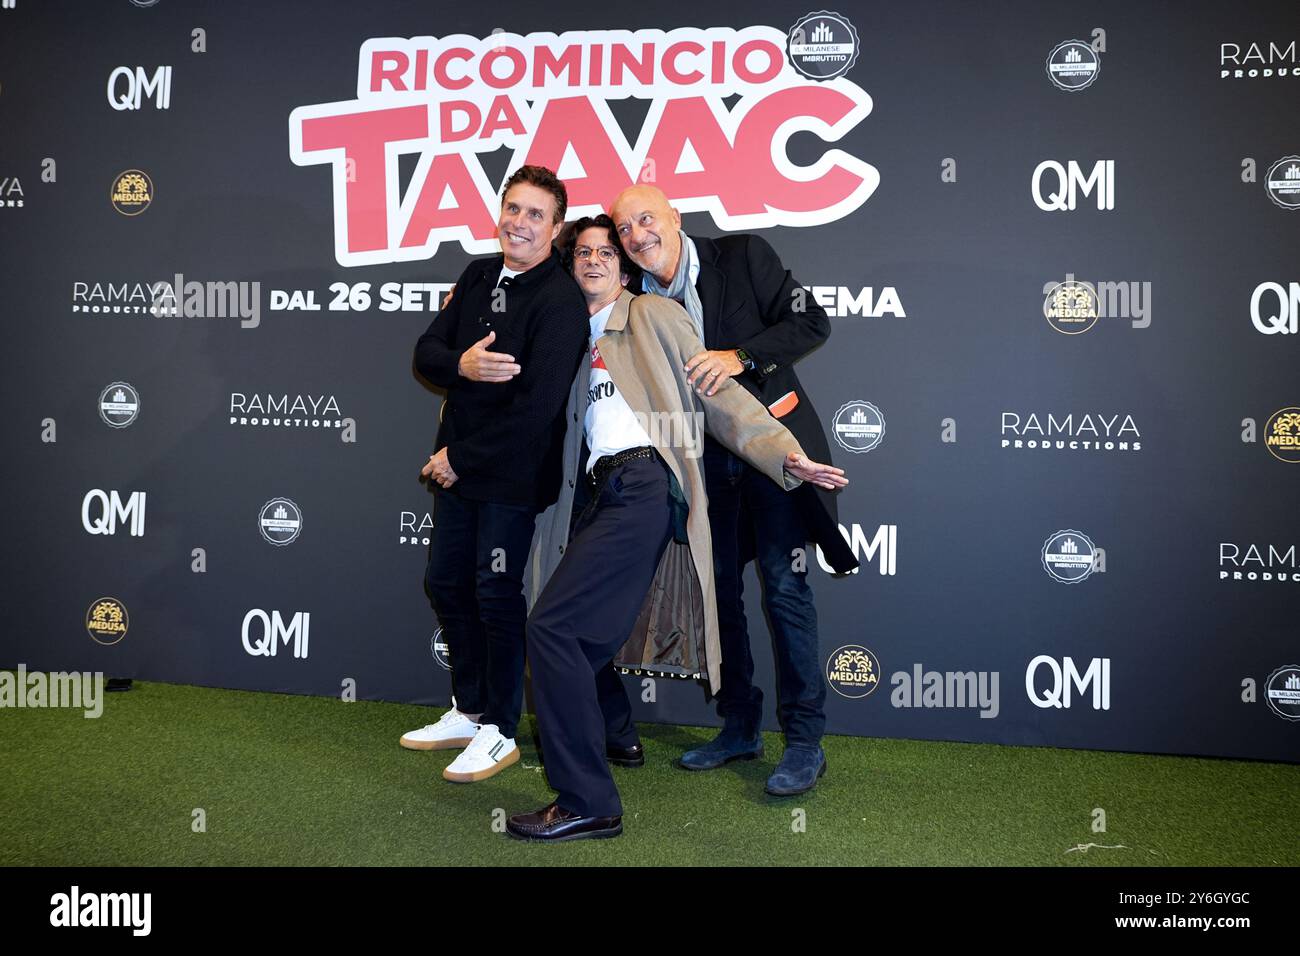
(746,359)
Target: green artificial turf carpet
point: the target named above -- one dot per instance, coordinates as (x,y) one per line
(291,780)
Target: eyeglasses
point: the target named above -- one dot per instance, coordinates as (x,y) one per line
(606,253)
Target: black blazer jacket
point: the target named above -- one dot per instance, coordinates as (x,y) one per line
(750,302)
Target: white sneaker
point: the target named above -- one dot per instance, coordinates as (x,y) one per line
(453,730)
(487,754)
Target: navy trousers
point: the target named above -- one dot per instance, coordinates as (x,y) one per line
(582,619)
(476,584)
(747,510)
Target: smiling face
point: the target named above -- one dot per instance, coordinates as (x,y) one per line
(527,226)
(649,229)
(599,278)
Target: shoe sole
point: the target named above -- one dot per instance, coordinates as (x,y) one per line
(477,775)
(452,743)
(626,763)
(714,766)
(790,793)
(591,835)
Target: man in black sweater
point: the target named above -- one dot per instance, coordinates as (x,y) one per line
(506,348)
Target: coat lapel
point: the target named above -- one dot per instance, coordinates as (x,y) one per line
(712,287)
(618,318)
(617,355)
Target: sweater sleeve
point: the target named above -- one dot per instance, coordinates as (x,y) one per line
(436,356)
(523,429)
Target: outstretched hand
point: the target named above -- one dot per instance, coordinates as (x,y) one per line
(823,476)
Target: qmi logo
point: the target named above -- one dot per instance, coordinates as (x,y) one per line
(110,509)
(1064,676)
(129,88)
(883,546)
(1284,318)
(274,633)
(1071,182)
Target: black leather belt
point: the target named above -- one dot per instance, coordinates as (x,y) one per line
(608,463)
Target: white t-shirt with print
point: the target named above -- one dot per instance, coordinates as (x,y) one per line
(610,423)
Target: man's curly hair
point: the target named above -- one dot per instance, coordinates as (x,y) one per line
(568,240)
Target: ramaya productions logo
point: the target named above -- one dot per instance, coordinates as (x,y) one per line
(823,45)
(119,405)
(438,645)
(414,528)
(285,411)
(1282,434)
(853,671)
(1282,691)
(130,298)
(1069,556)
(210,299)
(132,192)
(11,193)
(1283,182)
(1073,66)
(1256,62)
(1088,432)
(859,426)
(280,521)
(107,621)
(1257,563)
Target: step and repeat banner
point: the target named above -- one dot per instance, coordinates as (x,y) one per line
(1057,242)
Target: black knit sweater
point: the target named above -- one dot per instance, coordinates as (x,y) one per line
(504,439)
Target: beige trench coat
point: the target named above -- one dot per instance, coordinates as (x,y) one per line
(647,341)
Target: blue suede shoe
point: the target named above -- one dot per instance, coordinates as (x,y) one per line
(730,744)
(797,772)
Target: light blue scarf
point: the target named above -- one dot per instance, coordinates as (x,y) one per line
(682,287)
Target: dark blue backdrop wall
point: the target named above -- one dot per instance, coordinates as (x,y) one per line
(1061,376)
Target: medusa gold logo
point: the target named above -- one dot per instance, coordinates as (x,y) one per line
(107,620)
(1071,306)
(853,671)
(132,192)
(1282,434)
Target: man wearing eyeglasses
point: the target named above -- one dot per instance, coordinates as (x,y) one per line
(506,348)
(643,531)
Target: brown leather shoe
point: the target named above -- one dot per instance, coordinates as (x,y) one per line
(553,823)
(633,756)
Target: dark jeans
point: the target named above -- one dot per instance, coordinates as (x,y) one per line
(475,580)
(746,507)
(582,619)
